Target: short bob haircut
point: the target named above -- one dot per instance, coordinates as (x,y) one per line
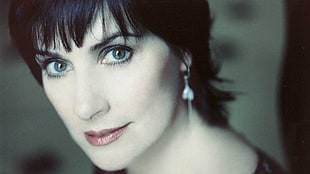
(183,24)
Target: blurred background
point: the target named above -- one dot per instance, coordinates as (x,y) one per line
(248,36)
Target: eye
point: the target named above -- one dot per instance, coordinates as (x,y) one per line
(57,68)
(117,55)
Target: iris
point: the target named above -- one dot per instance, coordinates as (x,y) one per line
(60,66)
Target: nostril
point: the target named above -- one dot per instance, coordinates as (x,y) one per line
(90,110)
(100,113)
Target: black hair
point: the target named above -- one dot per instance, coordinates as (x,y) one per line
(183,24)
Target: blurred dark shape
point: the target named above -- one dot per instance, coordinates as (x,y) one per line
(99,171)
(295,87)
(241,10)
(227,50)
(3,12)
(39,163)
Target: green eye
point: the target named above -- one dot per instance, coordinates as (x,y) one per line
(57,68)
(119,53)
(60,66)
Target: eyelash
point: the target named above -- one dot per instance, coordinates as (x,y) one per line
(104,52)
(101,57)
(59,75)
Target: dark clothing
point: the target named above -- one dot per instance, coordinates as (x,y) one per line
(268,166)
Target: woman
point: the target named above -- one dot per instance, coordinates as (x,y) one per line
(123,75)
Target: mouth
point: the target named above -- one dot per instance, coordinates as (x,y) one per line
(106,136)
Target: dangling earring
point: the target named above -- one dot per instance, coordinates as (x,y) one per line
(188,94)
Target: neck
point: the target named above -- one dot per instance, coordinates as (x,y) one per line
(161,155)
(195,148)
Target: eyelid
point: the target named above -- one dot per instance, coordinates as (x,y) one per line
(104,52)
(45,54)
(42,56)
(50,74)
(108,40)
(46,61)
(109,48)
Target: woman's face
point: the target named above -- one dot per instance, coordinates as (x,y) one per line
(116,97)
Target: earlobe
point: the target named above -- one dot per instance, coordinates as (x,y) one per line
(186,61)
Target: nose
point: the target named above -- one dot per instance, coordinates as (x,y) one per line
(89,103)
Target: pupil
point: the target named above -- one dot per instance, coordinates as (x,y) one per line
(60,66)
(119,54)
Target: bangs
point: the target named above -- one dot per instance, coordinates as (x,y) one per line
(67,22)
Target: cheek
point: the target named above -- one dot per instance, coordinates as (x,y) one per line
(149,90)
(60,98)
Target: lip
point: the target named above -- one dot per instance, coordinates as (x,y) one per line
(106,136)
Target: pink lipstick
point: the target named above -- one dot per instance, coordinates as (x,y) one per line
(106,136)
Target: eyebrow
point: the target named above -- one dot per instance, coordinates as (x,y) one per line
(106,41)
(45,54)
(109,39)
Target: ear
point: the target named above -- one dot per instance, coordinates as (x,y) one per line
(186,61)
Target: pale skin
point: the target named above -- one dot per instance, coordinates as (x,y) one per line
(144,91)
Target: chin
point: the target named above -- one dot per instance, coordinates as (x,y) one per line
(111,169)
(109,164)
